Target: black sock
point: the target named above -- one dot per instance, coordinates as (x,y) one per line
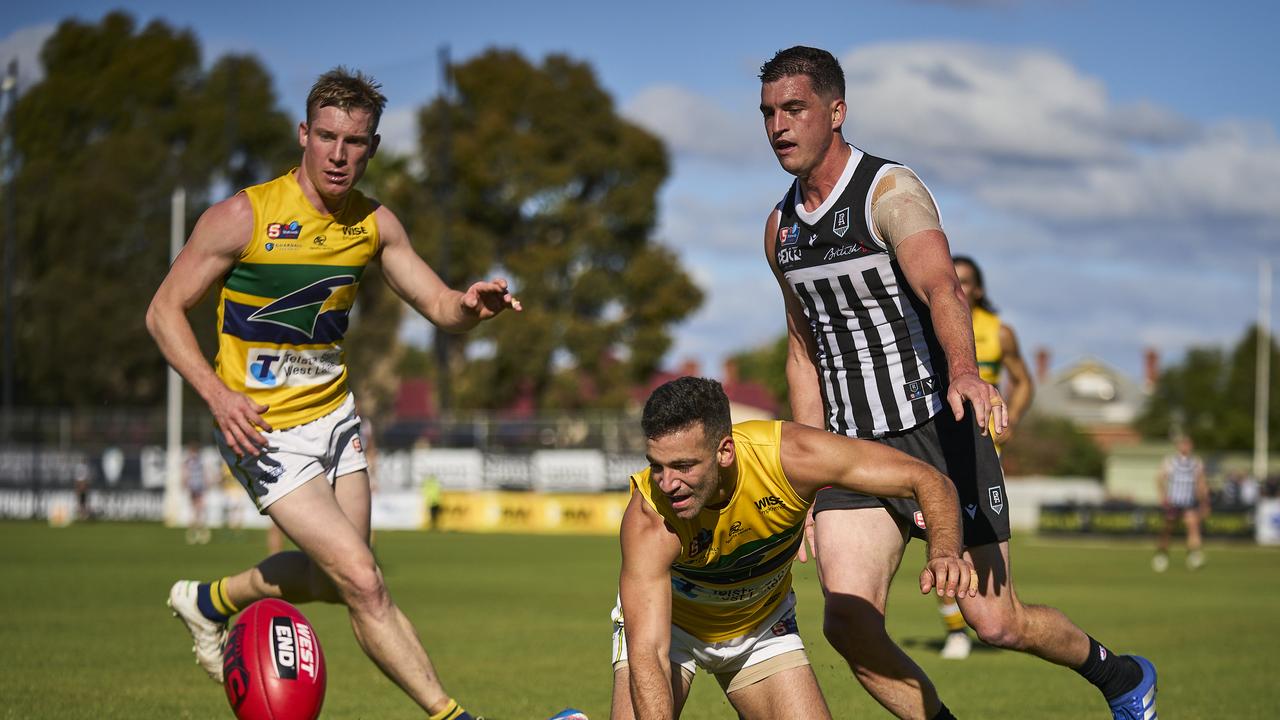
(944,714)
(1114,675)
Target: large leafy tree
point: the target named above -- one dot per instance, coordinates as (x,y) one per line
(122,117)
(1210,395)
(531,172)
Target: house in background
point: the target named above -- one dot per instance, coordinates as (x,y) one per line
(1102,401)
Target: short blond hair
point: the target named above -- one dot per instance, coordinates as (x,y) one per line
(346,90)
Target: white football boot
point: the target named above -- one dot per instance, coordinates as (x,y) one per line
(957,646)
(1160,562)
(207,634)
(1195,560)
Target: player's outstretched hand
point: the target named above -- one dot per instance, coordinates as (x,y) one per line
(984,398)
(812,552)
(950,576)
(240,418)
(486,299)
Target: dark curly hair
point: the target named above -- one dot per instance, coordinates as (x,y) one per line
(684,401)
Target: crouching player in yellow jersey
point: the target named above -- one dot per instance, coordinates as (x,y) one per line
(707,544)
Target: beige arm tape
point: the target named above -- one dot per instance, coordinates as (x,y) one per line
(901,206)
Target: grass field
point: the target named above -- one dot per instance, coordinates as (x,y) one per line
(518,628)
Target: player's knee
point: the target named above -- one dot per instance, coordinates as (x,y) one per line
(362,589)
(998,630)
(854,628)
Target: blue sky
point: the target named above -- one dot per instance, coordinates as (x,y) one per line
(1113,166)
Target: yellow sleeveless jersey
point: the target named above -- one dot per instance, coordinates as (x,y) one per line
(986,341)
(986,344)
(284,307)
(734,566)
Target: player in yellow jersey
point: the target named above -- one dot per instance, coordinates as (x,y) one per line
(997,352)
(999,358)
(707,544)
(288,256)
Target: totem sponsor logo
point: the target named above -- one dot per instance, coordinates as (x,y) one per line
(789,236)
(284,231)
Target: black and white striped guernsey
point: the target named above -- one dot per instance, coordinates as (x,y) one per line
(1181,473)
(881,369)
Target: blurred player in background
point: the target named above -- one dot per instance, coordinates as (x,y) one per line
(1184,493)
(881,347)
(232,510)
(707,543)
(288,256)
(196,484)
(996,350)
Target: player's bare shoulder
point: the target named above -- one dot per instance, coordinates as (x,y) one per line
(391,232)
(902,206)
(225,228)
(644,527)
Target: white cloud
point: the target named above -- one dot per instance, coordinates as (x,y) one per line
(24,46)
(974,103)
(1028,133)
(1105,226)
(399,131)
(691,124)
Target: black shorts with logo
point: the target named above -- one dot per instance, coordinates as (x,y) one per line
(961,452)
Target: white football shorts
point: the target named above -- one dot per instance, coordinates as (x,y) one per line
(776,635)
(328,445)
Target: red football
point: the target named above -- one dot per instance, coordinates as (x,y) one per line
(272,665)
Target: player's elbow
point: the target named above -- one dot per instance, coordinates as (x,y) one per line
(155,317)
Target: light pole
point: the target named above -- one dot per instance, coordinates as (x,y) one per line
(1262,382)
(9,88)
(440,341)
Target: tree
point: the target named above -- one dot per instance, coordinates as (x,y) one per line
(121,118)
(530,172)
(767,365)
(1051,446)
(1210,396)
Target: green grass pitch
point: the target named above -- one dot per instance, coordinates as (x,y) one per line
(518,627)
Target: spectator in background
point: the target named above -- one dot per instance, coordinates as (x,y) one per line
(431,498)
(232,509)
(82,479)
(1248,491)
(1183,493)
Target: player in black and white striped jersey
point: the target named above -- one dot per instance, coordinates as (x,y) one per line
(1184,493)
(881,347)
